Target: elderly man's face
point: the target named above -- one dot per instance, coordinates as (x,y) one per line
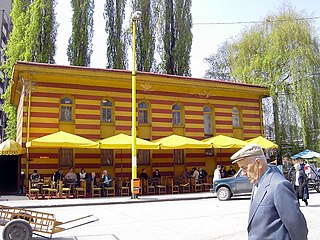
(250,168)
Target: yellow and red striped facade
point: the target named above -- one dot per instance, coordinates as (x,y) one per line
(38,88)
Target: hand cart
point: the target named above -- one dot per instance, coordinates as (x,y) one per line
(21,224)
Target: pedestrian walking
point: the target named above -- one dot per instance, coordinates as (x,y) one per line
(274,211)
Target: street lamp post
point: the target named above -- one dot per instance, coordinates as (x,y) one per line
(135,17)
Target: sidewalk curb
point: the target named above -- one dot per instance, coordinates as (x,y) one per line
(108,202)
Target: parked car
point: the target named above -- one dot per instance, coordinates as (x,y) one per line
(238,184)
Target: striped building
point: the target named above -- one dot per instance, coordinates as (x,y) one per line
(96,103)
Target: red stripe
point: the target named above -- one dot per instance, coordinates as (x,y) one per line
(221,122)
(157,110)
(87,107)
(123,174)
(44,114)
(87,165)
(196,121)
(87,155)
(251,116)
(123,155)
(93,137)
(234,99)
(41,155)
(123,128)
(162,120)
(44,125)
(194,130)
(123,109)
(44,104)
(161,129)
(165,164)
(252,131)
(195,164)
(250,108)
(224,130)
(122,99)
(162,155)
(88,116)
(87,126)
(223,114)
(123,118)
(124,165)
(252,123)
(44,166)
(196,155)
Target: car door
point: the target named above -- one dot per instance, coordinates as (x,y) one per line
(242,183)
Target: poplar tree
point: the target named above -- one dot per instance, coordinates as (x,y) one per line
(146,32)
(32,39)
(114,14)
(80,43)
(175,36)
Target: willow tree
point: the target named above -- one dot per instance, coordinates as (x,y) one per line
(146,31)
(175,36)
(32,39)
(80,43)
(114,14)
(282,54)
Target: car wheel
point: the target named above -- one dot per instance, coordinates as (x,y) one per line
(17,229)
(223,194)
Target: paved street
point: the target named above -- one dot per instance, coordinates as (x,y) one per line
(201,219)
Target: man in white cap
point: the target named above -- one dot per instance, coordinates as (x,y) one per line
(274,210)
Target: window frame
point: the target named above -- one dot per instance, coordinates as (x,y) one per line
(106,157)
(180,114)
(66,105)
(111,108)
(66,157)
(146,109)
(178,156)
(237,115)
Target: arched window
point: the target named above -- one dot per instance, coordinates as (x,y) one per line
(207,119)
(66,109)
(106,111)
(143,113)
(176,114)
(236,121)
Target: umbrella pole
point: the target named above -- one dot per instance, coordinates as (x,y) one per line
(121,165)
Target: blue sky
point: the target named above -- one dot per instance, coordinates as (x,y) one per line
(206,38)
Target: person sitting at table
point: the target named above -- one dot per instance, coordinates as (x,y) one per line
(202,175)
(195,174)
(82,175)
(35,176)
(106,179)
(71,177)
(58,175)
(157,174)
(144,175)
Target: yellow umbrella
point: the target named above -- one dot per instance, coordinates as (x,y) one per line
(123,141)
(180,142)
(61,139)
(221,141)
(262,142)
(10,147)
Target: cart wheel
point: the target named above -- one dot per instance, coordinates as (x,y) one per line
(17,229)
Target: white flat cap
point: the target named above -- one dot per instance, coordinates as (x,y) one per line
(247,151)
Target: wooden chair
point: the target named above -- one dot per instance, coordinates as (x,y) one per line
(110,191)
(174,186)
(124,188)
(185,185)
(207,184)
(63,191)
(95,191)
(161,186)
(150,186)
(197,187)
(82,190)
(33,191)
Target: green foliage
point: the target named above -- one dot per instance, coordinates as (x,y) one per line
(114,14)
(146,29)
(80,43)
(176,36)
(282,54)
(32,39)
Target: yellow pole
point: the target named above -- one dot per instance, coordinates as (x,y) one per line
(134,87)
(28,131)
